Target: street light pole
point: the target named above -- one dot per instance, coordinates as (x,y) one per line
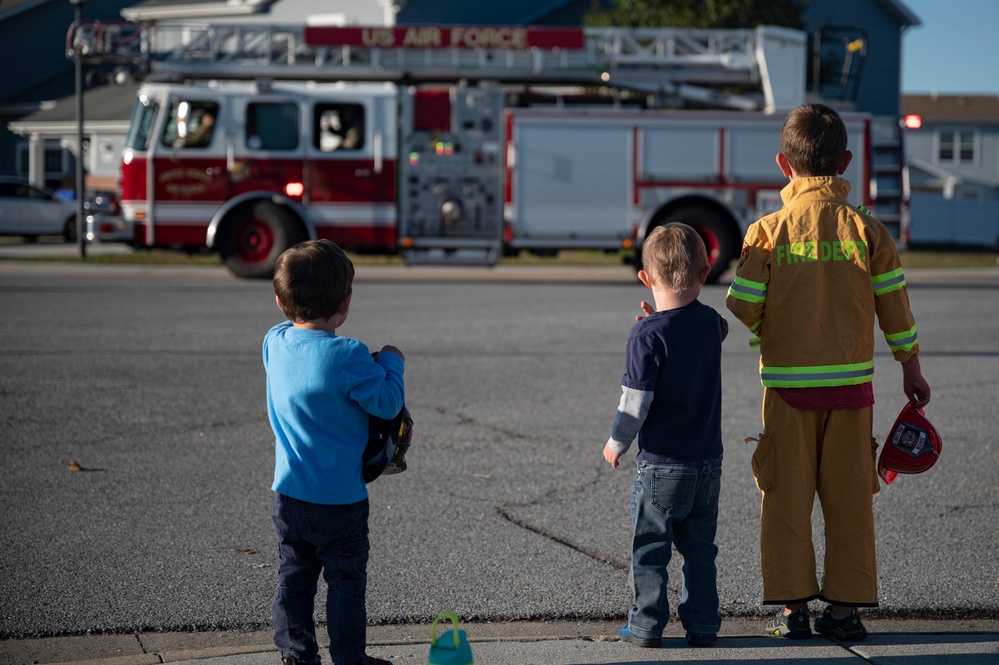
(81,222)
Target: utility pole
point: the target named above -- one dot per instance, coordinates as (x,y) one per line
(81,222)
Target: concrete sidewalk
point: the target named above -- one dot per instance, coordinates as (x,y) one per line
(894,642)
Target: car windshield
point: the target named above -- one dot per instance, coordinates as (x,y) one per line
(143,118)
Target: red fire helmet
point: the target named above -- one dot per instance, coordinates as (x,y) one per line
(913,445)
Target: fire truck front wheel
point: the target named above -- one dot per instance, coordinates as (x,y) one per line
(254,235)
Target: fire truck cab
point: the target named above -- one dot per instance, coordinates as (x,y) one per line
(251,168)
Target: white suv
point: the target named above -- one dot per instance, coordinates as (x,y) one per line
(30,211)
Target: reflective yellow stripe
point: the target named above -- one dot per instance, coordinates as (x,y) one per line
(817,376)
(903,341)
(748,290)
(888,282)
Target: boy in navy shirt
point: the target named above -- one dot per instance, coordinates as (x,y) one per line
(672,401)
(321,388)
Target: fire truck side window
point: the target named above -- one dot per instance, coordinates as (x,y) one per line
(272,125)
(338,127)
(191,124)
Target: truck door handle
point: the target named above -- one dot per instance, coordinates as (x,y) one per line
(362,173)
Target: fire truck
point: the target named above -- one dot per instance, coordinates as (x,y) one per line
(462,144)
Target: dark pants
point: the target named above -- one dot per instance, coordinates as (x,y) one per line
(314,539)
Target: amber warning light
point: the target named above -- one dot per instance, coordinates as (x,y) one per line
(913,121)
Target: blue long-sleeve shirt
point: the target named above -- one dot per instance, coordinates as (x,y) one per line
(671,388)
(321,389)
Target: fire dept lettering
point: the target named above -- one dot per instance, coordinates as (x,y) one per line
(185,181)
(836,250)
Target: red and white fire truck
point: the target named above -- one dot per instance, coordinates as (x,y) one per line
(462,144)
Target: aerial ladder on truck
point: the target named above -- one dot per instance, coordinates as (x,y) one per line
(672,64)
(758,71)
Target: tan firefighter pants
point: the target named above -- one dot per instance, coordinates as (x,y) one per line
(801,453)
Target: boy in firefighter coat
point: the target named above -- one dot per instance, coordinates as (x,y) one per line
(811,279)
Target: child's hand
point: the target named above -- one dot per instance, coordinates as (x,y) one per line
(611,456)
(388,348)
(914,385)
(648,309)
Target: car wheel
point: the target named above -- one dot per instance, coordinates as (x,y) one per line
(69,230)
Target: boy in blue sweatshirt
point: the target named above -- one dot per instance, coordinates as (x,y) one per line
(671,400)
(321,389)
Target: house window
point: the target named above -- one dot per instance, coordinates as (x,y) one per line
(956,147)
(56,160)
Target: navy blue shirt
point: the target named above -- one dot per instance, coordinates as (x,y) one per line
(673,358)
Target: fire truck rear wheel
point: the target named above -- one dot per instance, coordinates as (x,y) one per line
(255,235)
(718,233)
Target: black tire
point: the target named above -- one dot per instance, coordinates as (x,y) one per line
(254,235)
(719,232)
(69,230)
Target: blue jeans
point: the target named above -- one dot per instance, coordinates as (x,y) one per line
(674,504)
(314,539)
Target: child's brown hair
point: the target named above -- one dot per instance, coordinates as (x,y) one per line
(312,280)
(813,139)
(674,255)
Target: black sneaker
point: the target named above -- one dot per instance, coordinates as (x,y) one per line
(371,660)
(793,626)
(701,639)
(847,629)
(645,642)
(291,660)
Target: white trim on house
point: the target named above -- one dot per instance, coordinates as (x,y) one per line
(946,180)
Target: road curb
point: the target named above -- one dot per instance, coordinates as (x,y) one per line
(155,648)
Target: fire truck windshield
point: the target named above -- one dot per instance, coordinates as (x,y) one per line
(143,119)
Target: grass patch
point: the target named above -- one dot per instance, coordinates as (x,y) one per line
(164,257)
(929,258)
(913,258)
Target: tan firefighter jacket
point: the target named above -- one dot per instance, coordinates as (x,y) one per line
(810,280)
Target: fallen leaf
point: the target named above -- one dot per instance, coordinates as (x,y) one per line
(75,466)
(246,550)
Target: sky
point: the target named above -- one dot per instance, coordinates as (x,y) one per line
(956,49)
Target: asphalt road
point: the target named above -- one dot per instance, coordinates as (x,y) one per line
(150,379)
